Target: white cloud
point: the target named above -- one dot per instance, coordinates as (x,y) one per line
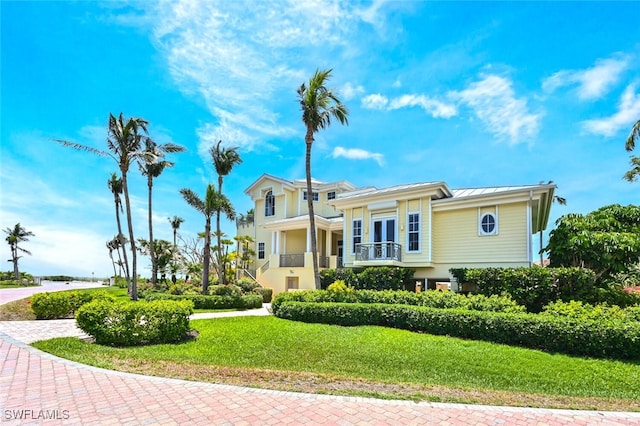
(357,154)
(494,102)
(593,82)
(349,91)
(237,56)
(433,107)
(628,113)
(375,101)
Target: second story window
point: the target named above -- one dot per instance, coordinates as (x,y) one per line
(313,194)
(269,204)
(357,233)
(414,231)
(331,195)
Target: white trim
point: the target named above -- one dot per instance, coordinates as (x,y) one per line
(430,212)
(530,231)
(382,205)
(481,217)
(409,213)
(361,220)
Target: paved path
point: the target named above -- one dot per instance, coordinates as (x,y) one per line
(38,388)
(10,294)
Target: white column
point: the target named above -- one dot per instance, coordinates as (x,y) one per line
(309,238)
(327,244)
(278,241)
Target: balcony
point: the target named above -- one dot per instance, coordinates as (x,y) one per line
(379,253)
(292,260)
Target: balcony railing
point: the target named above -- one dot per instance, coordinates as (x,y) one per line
(379,251)
(323,262)
(292,260)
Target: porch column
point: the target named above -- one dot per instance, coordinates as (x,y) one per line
(327,243)
(309,238)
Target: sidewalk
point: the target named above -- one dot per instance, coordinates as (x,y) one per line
(38,388)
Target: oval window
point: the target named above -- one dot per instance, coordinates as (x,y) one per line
(488,224)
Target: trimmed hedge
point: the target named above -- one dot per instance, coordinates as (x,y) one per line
(373,278)
(610,339)
(531,287)
(200,301)
(433,299)
(135,323)
(63,304)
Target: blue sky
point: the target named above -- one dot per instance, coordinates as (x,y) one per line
(473,94)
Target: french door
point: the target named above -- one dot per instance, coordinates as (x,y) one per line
(384,237)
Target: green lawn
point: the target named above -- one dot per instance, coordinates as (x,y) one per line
(374,354)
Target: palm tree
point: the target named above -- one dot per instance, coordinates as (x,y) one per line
(223,160)
(630,145)
(633,174)
(318,105)
(151,163)
(124,143)
(115,186)
(631,140)
(213,202)
(111,247)
(175,222)
(15,236)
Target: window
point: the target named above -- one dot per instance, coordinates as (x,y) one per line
(414,231)
(488,224)
(331,195)
(313,194)
(269,204)
(357,233)
(260,250)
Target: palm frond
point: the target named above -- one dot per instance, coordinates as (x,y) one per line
(193,200)
(631,140)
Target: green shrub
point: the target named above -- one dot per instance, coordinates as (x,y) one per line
(534,287)
(339,286)
(225,290)
(265,293)
(183,288)
(63,304)
(329,276)
(613,339)
(384,278)
(200,301)
(135,323)
(433,299)
(247,285)
(120,282)
(585,311)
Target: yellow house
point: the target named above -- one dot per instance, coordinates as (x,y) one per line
(424,226)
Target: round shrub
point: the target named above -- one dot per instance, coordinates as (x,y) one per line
(225,290)
(247,285)
(135,323)
(63,304)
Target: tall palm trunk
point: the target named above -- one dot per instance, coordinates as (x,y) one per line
(221,264)
(312,220)
(152,250)
(121,245)
(207,256)
(14,259)
(134,276)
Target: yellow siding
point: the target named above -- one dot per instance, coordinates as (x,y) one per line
(296,241)
(456,239)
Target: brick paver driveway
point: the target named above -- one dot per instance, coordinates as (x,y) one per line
(38,388)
